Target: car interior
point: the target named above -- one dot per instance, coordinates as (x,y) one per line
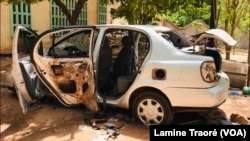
(129,49)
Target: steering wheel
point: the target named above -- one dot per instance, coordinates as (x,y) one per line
(74,52)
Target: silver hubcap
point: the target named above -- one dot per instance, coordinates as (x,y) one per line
(150,111)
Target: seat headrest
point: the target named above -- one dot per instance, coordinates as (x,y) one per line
(126,41)
(106,42)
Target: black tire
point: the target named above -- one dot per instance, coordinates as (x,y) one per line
(152,108)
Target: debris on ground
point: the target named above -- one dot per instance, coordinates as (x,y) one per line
(233,92)
(219,117)
(82,127)
(236,118)
(107,125)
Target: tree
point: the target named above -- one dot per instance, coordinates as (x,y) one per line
(189,12)
(229,15)
(234,14)
(146,11)
(72,17)
(140,12)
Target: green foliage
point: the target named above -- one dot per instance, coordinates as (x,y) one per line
(178,11)
(140,12)
(244,23)
(234,14)
(187,13)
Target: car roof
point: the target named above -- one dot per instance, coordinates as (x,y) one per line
(156,28)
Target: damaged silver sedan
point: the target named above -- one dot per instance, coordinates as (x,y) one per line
(148,70)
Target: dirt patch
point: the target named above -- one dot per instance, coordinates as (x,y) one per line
(237,104)
(49,120)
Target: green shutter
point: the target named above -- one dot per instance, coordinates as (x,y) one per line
(20,15)
(59,19)
(102,13)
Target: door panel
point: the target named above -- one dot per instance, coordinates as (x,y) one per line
(22,73)
(63,61)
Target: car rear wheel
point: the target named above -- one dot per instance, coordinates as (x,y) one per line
(152,108)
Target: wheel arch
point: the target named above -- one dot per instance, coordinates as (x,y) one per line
(139,91)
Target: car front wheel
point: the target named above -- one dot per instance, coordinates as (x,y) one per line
(152,108)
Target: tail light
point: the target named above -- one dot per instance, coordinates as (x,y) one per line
(208,72)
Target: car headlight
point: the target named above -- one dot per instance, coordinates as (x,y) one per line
(208,71)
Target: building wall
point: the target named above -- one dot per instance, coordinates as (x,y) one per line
(40,17)
(189,29)
(40,20)
(110,19)
(92,12)
(5,37)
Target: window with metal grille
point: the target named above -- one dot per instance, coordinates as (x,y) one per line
(102,13)
(20,15)
(59,19)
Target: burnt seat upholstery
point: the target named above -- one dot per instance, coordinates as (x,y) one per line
(123,63)
(122,69)
(104,73)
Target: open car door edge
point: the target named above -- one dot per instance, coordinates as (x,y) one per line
(20,60)
(57,62)
(65,64)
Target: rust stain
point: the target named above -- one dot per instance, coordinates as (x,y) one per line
(81,74)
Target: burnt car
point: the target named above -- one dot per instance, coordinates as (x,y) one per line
(137,67)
